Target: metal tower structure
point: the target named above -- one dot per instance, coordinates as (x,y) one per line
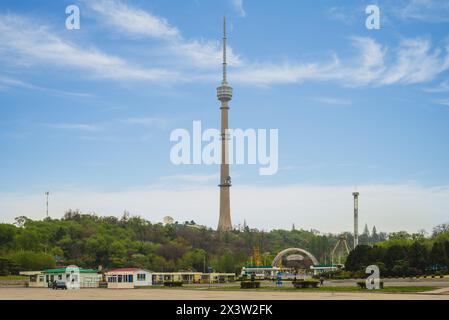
(341,249)
(224,94)
(356,219)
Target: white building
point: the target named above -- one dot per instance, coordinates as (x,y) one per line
(89,278)
(260,272)
(128,278)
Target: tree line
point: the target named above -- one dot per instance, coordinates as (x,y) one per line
(404,254)
(88,240)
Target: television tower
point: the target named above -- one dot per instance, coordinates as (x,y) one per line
(224,94)
(356,219)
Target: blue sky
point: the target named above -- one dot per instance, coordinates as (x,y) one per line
(87,114)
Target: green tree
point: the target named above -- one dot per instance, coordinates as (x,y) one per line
(27,260)
(438,255)
(418,256)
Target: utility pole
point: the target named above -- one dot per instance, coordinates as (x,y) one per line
(47,194)
(356,219)
(204,263)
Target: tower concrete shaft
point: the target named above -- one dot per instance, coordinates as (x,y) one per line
(356,219)
(224,94)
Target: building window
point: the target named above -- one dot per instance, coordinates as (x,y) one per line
(119,278)
(130,278)
(141,277)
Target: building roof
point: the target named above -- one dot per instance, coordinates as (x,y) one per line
(63,270)
(125,270)
(30,273)
(324,266)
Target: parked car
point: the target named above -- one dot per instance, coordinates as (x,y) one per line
(59,285)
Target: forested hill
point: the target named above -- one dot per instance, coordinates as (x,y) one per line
(91,241)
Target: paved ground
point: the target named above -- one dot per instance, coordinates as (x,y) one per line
(397,282)
(199,294)
(441,283)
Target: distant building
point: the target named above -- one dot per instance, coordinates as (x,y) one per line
(260,271)
(89,278)
(320,268)
(128,278)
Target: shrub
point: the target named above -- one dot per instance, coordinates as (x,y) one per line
(249,284)
(362,284)
(305,284)
(173,284)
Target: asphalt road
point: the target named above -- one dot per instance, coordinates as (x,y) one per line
(200,294)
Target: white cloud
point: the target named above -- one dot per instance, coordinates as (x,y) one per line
(147,121)
(133,21)
(238,6)
(22,38)
(416,63)
(413,61)
(442,87)
(73,126)
(425,10)
(333,101)
(342,14)
(137,22)
(6,83)
(443,102)
(326,208)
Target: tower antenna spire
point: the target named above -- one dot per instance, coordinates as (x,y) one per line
(225,64)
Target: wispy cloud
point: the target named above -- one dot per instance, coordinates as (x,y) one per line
(7,82)
(412,61)
(341,14)
(147,121)
(111,129)
(22,38)
(133,21)
(442,87)
(74,126)
(443,102)
(417,62)
(137,22)
(238,7)
(436,11)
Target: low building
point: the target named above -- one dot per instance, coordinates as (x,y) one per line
(186,277)
(320,268)
(89,278)
(128,278)
(260,272)
(190,277)
(215,277)
(36,279)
